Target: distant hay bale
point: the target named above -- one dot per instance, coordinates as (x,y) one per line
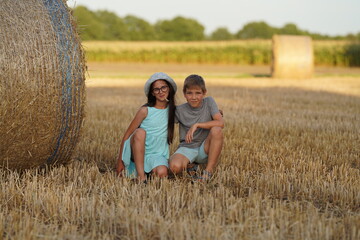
(292,57)
(42,83)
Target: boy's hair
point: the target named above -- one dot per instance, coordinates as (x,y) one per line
(194,80)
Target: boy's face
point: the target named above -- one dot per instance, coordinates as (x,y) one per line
(194,96)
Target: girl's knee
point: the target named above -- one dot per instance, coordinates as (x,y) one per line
(139,134)
(161,171)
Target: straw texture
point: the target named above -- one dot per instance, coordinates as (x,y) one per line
(292,57)
(42,83)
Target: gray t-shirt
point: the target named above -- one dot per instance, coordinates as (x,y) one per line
(187,116)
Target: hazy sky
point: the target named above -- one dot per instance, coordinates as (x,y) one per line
(333,17)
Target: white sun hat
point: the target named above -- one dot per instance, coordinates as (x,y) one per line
(159,76)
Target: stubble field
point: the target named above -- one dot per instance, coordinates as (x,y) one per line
(290,166)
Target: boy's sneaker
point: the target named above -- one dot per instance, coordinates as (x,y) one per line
(192,169)
(205,177)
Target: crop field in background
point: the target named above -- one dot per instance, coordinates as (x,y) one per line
(249,52)
(289,168)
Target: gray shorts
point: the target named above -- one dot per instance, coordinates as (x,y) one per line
(196,155)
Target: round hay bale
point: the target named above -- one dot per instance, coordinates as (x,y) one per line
(42,83)
(292,57)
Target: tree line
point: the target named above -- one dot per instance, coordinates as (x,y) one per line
(106,25)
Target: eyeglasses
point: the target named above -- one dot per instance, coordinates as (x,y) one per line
(163,89)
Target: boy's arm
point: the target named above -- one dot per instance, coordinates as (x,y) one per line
(217,121)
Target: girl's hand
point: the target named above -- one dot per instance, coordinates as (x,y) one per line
(190,134)
(120,168)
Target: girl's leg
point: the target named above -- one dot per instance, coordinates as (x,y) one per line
(160,171)
(138,151)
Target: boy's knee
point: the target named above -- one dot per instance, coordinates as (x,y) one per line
(175,167)
(216,132)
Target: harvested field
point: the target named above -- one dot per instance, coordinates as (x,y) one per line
(289,168)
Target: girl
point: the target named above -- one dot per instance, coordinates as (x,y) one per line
(145,145)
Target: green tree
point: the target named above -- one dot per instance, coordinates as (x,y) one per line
(114,26)
(89,26)
(139,29)
(318,36)
(290,29)
(256,30)
(221,33)
(351,37)
(179,29)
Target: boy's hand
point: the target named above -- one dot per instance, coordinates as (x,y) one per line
(190,134)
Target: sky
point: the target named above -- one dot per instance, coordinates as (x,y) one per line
(331,17)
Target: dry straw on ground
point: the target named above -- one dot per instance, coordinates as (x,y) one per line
(292,57)
(41,83)
(289,170)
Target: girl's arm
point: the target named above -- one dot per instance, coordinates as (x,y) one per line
(135,123)
(217,121)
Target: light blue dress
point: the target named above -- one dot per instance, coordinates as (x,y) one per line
(156,146)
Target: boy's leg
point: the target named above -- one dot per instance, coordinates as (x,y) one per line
(213,145)
(138,151)
(178,163)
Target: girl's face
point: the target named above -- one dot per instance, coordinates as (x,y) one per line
(160,90)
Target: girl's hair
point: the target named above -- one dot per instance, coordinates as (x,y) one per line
(172,106)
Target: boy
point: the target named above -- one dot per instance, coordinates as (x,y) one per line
(200,130)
